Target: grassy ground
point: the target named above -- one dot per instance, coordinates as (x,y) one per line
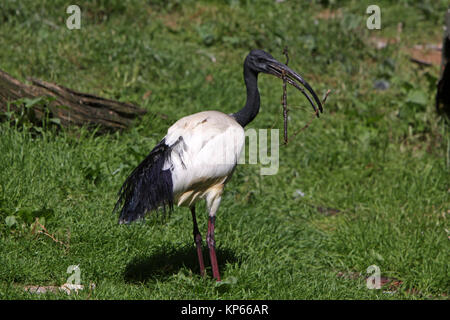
(378,159)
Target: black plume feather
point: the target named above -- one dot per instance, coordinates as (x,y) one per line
(148,187)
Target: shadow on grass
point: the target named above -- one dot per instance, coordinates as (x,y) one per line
(168,260)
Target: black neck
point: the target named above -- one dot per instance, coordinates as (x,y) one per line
(251,109)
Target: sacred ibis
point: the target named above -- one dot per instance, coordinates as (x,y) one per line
(198,155)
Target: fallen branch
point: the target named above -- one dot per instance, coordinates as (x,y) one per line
(80,109)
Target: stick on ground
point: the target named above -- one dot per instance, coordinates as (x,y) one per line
(81,109)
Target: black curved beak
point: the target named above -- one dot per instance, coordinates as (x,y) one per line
(281,71)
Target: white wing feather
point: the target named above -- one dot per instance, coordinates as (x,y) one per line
(206,154)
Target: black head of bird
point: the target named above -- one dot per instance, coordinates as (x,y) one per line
(192,161)
(259,61)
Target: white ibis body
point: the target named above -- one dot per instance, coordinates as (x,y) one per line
(198,156)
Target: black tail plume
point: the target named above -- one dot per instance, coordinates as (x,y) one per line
(147,188)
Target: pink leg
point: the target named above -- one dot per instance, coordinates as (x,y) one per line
(212,247)
(198,242)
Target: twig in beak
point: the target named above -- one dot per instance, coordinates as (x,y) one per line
(315,113)
(285,52)
(326,96)
(284,98)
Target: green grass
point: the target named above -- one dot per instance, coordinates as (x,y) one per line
(379,157)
